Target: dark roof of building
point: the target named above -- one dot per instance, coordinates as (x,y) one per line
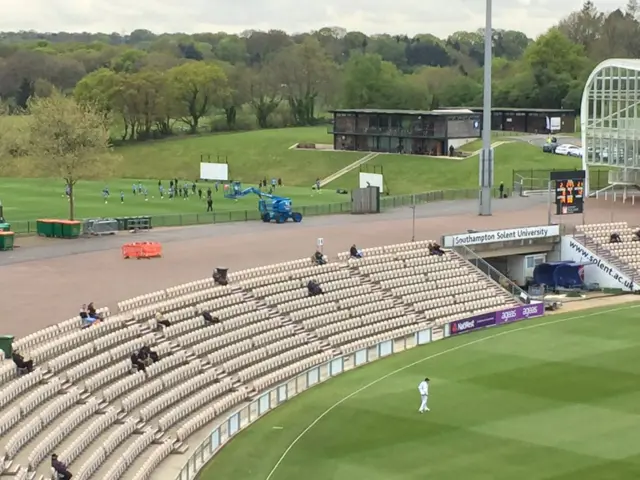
(398,112)
(516,110)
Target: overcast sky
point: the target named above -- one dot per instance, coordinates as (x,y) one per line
(439,17)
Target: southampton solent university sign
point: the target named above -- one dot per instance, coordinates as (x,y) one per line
(500,317)
(494,236)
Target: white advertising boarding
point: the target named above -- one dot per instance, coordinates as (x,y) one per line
(371,180)
(596,270)
(214,171)
(494,236)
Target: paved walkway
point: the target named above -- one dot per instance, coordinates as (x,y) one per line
(46,280)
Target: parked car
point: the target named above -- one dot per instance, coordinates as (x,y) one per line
(575,152)
(564,149)
(549,147)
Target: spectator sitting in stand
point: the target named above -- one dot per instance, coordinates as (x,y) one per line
(210,319)
(319,258)
(24,366)
(147,355)
(87,317)
(636,236)
(314,288)
(615,238)
(60,468)
(354,252)
(161,320)
(434,249)
(137,363)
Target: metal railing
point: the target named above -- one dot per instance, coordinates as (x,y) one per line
(28,227)
(491,272)
(606,254)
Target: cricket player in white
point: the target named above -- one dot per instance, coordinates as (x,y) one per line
(423,388)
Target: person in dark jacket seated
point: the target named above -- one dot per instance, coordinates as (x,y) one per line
(210,319)
(137,363)
(147,355)
(318,258)
(615,238)
(314,288)
(60,468)
(353,251)
(21,363)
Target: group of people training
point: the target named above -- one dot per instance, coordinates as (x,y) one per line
(144,357)
(89,315)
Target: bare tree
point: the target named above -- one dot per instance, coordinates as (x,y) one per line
(68,140)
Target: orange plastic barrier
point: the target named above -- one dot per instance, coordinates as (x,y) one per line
(142,250)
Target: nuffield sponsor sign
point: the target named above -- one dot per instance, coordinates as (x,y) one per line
(500,317)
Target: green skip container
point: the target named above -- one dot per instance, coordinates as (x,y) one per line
(5,227)
(44,227)
(71,228)
(6,240)
(6,345)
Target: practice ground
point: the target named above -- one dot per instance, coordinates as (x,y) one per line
(556,398)
(30,199)
(253,156)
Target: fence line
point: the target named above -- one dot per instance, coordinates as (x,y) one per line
(28,227)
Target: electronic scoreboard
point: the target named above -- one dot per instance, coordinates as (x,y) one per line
(569,191)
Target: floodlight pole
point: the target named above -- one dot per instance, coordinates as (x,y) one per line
(486,155)
(413,224)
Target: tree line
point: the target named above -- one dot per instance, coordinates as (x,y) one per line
(156,85)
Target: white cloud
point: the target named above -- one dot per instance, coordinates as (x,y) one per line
(370,16)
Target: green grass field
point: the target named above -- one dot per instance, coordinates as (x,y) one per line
(553,399)
(29,199)
(252,156)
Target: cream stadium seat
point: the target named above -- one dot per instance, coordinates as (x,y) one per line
(93,463)
(203,397)
(88,435)
(122,386)
(9,418)
(185,388)
(106,375)
(329,318)
(298,315)
(11,390)
(41,394)
(234,350)
(290,371)
(157,455)
(123,462)
(62,430)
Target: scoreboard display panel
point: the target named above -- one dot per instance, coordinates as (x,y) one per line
(569,191)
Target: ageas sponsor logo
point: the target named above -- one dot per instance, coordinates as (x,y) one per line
(529,311)
(463,326)
(508,315)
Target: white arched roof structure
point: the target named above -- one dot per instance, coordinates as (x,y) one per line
(610,120)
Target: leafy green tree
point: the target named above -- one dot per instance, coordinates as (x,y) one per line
(69,140)
(198,87)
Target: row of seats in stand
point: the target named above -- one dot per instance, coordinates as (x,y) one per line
(303,273)
(167,294)
(389,249)
(626,252)
(268,271)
